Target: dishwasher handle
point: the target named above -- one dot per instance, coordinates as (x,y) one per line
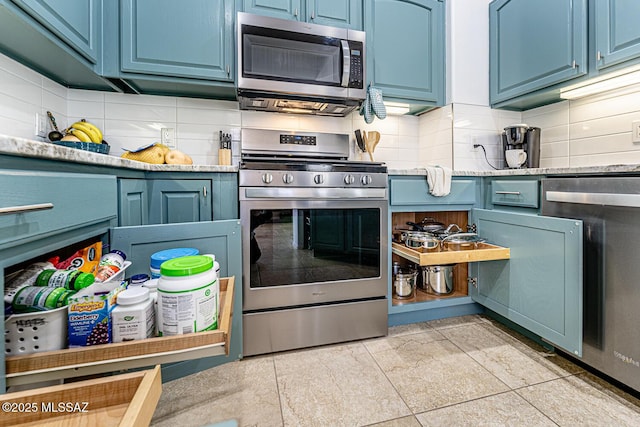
(603,199)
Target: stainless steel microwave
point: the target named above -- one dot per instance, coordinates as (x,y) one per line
(298,67)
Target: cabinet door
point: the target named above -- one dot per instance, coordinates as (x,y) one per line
(173,201)
(540,286)
(78,23)
(221,238)
(617,31)
(405,48)
(284,9)
(336,13)
(535,44)
(133,202)
(190,38)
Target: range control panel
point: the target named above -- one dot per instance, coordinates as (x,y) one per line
(298,139)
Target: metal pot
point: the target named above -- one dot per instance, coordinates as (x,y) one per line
(428,224)
(404,284)
(461,242)
(438,279)
(451,229)
(421,240)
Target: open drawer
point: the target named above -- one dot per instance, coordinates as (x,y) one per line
(485,252)
(103,358)
(121,400)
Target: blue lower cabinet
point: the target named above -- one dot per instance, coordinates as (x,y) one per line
(540,286)
(173,201)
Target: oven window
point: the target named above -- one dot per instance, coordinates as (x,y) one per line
(291,60)
(295,246)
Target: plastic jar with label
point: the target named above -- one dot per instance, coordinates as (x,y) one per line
(159,257)
(133,318)
(110,264)
(188,294)
(40,298)
(70,279)
(152,285)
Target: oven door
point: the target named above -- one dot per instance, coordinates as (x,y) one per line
(306,252)
(293,57)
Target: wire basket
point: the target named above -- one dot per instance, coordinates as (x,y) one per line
(27,333)
(86,146)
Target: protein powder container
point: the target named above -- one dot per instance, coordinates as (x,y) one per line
(159,257)
(133,318)
(188,294)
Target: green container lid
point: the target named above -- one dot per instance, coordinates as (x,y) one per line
(186,266)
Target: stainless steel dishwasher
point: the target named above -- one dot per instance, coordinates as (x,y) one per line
(610,210)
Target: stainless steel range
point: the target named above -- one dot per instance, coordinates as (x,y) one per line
(314,234)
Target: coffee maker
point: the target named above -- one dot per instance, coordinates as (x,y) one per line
(527,138)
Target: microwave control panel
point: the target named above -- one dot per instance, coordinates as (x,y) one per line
(357,67)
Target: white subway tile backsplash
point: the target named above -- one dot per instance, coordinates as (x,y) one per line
(602,144)
(610,125)
(87,95)
(214,117)
(9,65)
(325,124)
(91,111)
(165,115)
(263,120)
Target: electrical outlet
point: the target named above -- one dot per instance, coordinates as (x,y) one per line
(168,137)
(41,125)
(635,131)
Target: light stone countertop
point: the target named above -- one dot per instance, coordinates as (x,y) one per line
(44,150)
(590,170)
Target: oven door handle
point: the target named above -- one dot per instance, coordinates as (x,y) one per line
(608,199)
(315,193)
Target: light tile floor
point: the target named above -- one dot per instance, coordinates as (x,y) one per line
(464,371)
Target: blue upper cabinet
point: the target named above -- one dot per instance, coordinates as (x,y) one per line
(617,32)
(405,49)
(535,44)
(165,47)
(78,23)
(59,39)
(336,13)
(190,39)
(284,9)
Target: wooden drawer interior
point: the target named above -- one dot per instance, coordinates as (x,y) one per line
(103,358)
(121,400)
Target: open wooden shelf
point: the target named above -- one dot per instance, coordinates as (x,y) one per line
(121,400)
(422,296)
(103,358)
(485,252)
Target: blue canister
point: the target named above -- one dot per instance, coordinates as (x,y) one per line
(159,257)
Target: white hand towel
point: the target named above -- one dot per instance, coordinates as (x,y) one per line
(439,180)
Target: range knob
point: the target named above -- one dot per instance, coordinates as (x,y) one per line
(349,179)
(366,179)
(267,178)
(287,178)
(318,179)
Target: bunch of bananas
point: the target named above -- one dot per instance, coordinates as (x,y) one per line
(83,131)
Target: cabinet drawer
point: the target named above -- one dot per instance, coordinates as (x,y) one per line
(415,191)
(516,193)
(35,204)
(80,361)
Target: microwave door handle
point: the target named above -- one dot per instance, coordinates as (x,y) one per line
(346,63)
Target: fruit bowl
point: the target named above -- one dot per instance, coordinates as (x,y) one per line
(86,146)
